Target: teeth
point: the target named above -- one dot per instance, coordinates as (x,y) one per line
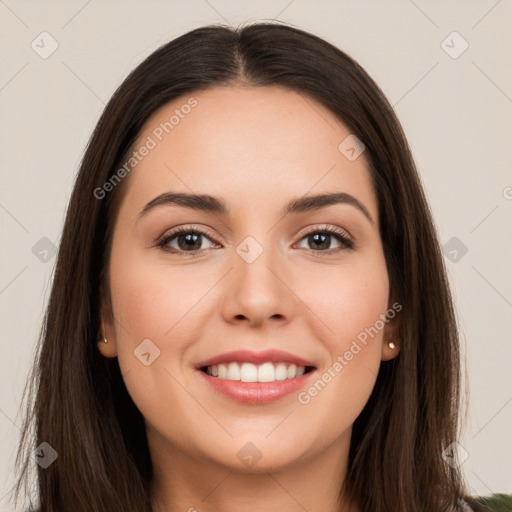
(292,370)
(223,371)
(266,372)
(280,370)
(233,372)
(248,372)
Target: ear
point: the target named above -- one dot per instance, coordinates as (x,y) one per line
(391,332)
(108,332)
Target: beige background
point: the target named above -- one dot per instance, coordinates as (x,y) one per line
(456,113)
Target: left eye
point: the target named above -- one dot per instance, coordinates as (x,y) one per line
(321,239)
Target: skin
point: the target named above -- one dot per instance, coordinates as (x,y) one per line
(257,148)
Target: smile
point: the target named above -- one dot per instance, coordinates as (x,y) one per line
(252,377)
(248,372)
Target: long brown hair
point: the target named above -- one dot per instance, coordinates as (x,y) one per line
(76,399)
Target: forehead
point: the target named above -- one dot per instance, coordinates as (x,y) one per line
(240,143)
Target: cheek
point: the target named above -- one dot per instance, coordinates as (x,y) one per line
(161,304)
(144,306)
(154,301)
(154,311)
(350,303)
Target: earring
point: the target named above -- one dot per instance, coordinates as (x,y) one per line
(105,340)
(391,345)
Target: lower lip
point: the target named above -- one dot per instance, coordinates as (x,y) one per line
(256,392)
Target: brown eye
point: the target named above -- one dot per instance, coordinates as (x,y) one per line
(320,240)
(185,240)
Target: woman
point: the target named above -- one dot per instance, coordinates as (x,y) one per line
(304,355)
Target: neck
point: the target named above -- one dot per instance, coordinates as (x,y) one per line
(182,482)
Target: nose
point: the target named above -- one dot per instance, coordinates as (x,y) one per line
(257,292)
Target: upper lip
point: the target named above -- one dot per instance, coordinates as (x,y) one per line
(247,356)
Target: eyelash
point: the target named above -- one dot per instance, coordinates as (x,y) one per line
(340,235)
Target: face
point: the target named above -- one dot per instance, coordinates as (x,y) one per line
(275,284)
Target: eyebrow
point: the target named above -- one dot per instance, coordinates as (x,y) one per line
(212,204)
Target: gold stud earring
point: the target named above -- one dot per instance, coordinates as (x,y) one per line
(391,345)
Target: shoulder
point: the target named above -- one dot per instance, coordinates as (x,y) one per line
(494,503)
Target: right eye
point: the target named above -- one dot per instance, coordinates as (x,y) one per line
(188,241)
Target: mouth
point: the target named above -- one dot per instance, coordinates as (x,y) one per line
(256,377)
